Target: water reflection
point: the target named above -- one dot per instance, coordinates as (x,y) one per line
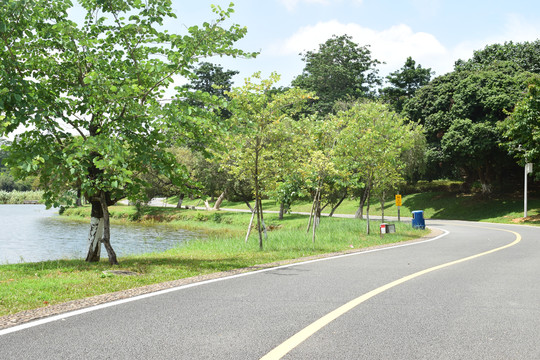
(30,233)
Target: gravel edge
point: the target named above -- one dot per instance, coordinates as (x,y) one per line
(39,313)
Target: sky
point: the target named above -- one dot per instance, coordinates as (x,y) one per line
(435,33)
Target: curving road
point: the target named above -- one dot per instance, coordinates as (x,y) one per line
(473,293)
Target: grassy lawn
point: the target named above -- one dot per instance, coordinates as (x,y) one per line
(436,205)
(33,285)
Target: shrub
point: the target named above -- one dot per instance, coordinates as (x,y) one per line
(19,197)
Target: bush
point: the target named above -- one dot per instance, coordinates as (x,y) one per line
(19,197)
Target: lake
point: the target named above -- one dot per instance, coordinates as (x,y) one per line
(30,233)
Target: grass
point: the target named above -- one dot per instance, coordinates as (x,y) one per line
(436,205)
(33,285)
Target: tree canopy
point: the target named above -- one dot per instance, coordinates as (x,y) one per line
(522,128)
(340,69)
(481,96)
(404,83)
(89,95)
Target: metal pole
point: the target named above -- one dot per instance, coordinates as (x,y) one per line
(525,193)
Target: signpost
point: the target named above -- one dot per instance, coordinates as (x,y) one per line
(398,204)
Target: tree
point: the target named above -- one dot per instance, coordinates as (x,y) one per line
(525,55)
(213,80)
(257,113)
(340,69)
(474,146)
(4,146)
(102,81)
(404,83)
(370,147)
(482,96)
(521,128)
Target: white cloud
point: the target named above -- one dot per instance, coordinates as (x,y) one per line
(392,45)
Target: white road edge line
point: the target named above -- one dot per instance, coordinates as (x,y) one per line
(182,287)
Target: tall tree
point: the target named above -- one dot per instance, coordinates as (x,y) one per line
(522,128)
(370,147)
(251,146)
(213,81)
(340,69)
(524,55)
(404,83)
(101,80)
(482,96)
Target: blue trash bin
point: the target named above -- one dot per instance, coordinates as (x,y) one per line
(418,221)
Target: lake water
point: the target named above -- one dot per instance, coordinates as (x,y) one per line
(30,233)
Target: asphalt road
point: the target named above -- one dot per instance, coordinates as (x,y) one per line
(471,294)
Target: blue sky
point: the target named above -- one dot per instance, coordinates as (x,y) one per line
(434,32)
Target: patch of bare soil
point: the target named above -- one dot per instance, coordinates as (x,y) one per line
(534,218)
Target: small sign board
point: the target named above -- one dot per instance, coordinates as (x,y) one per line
(398,200)
(529,168)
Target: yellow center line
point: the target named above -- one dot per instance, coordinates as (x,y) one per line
(302,335)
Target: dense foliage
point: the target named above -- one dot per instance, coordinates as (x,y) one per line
(339,70)
(88,102)
(89,94)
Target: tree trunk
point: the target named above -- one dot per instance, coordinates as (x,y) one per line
(367,215)
(337,205)
(281,211)
(258,202)
(312,213)
(106,241)
(360,211)
(180,200)
(96,232)
(259,221)
(78,202)
(218,202)
(317,213)
(249,206)
(484,182)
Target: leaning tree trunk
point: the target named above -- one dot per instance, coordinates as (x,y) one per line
(334,208)
(220,199)
(96,232)
(106,241)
